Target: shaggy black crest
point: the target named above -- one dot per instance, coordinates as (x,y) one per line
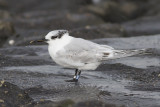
(60,34)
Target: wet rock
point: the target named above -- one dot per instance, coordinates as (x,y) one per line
(3,4)
(118,11)
(143,26)
(56,5)
(99,31)
(4,14)
(11,95)
(70,103)
(6,30)
(57,21)
(84,2)
(143,19)
(132,81)
(87,32)
(64,103)
(153,9)
(94,104)
(35,25)
(22,59)
(127,78)
(146,25)
(104,93)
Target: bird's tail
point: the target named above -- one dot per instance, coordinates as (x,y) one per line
(126,53)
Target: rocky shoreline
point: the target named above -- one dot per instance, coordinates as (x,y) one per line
(29,78)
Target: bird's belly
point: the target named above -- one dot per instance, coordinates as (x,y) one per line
(70,63)
(89,66)
(66,63)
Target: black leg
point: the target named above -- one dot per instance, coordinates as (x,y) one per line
(79,73)
(76,71)
(75,77)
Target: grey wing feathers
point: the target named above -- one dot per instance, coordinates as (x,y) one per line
(81,51)
(126,53)
(88,51)
(84,51)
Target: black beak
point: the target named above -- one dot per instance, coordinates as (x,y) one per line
(42,40)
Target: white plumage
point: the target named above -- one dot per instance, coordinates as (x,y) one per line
(71,52)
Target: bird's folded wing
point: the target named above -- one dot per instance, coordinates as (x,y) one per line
(81,51)
(81,57)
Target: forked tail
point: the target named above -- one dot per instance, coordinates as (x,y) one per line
(126,53)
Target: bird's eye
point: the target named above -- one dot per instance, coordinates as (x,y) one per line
(54,37)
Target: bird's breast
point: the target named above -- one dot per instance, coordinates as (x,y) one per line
(52,51)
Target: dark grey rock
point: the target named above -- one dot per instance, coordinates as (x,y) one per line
(153,9)
(83,19)
(64,103)
(94,104)
(118,11)
(63,5)
(4,14)
(36,26)
(99,31)
(57,20)
(143,26)
(12,96)
(132,81)
(87,32)
(3,4)
(127,78)
(6,30)
(70,103)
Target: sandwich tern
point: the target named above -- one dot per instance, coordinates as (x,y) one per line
(80,54)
